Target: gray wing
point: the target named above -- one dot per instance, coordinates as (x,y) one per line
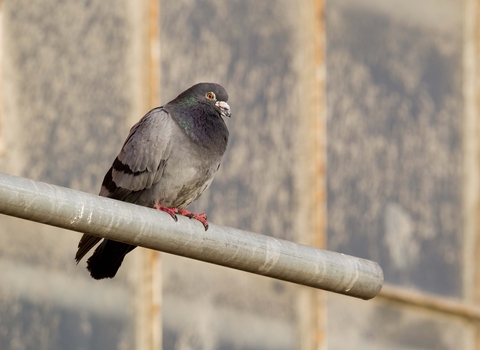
(141,161)
(138,166)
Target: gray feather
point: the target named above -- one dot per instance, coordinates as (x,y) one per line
(144,153)
(169,158)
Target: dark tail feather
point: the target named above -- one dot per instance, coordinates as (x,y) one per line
(86,243)
(107,258)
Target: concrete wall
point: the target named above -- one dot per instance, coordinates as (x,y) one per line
(66,101)
(255,50)
(354,127)
(396,179)
(71,85)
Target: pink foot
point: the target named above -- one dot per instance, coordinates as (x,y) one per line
(171,211)
(200,217)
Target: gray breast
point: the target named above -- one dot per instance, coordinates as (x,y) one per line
(187,174)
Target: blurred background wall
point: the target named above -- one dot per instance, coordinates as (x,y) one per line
(355,128)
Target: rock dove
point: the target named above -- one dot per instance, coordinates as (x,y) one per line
(168,159)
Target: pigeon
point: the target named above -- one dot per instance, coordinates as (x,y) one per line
(168,159)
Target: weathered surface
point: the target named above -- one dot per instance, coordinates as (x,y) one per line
(226,246)
(394,88)
(395,149)
(394,100)
(68,103)
(382,325)
(65,109)
(249,47)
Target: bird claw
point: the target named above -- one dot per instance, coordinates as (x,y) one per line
(200,217)
(171,211)
(184,212)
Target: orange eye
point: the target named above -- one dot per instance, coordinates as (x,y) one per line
(210,95)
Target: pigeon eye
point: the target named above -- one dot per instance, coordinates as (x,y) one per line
(210,95)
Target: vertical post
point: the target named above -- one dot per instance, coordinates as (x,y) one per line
(471,156)
(153,276)
(312,182)
(2,145)
(470,149)
(152,269)
(155,290)
(145,58)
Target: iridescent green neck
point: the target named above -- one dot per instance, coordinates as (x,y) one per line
(187,112)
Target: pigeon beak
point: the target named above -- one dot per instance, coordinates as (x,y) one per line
(224,108)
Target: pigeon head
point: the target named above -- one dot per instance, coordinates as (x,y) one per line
(206,94)
(199,111)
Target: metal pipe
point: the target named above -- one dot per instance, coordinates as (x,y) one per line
(149,228)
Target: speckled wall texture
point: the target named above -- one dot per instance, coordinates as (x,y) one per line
(68,102)
(251,48)
(395,147)
(65,106)
(395,107)
(70,92)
